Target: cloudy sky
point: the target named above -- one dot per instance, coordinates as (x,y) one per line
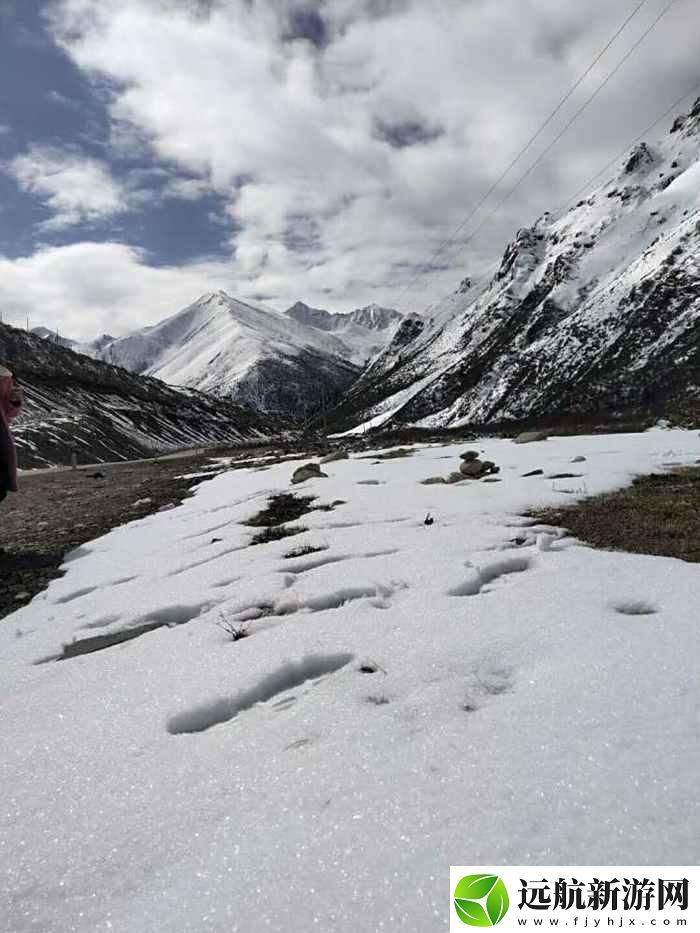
(153,150)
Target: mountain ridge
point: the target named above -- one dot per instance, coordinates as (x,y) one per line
(594,308)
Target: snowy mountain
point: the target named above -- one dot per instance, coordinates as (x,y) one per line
(88,348)
(594,309)
(364,332)
(106,413)
(242,351)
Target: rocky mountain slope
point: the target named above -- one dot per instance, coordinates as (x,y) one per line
(594,309)
(364,332)
(106,413)
(241,351)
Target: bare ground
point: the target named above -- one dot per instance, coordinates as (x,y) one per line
(657,514)
(58,510)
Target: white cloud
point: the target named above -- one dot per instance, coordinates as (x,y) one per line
(307,141)
(89,288)
(185,189)
(75,188)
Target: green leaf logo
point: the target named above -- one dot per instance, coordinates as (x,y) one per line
(481,900)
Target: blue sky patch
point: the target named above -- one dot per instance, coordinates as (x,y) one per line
(47,103)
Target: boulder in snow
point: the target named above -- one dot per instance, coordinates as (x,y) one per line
(307,471)
(527,437)
(336,455)
(472,468)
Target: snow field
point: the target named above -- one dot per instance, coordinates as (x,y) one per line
(530,702)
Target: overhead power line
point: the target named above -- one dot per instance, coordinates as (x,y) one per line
(620,29)
(451,238)
(674,107)
(541,129)
(586,186)
(587,102)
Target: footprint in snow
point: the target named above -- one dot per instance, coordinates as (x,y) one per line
(635,607)
(482,576)
(280,681)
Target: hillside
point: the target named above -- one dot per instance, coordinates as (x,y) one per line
(106,413)
(594,309)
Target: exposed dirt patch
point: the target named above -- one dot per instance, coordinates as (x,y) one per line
(276,533)
(658,514)
(282,508)
(58,510)
(303,551)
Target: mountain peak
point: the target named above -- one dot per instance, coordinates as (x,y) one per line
(210,297)
(375,317)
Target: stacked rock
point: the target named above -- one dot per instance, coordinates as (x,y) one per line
(474,468)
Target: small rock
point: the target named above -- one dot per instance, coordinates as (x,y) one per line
(492,479)
(534,473)
(469,455)
(428,519)
(434,480)
(455,477)
(578,459)
(490,467)
(527,437)
(471,468)
(336,455)
(306,472)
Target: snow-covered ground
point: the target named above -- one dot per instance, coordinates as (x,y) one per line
(522,709)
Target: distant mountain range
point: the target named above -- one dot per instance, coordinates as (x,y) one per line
(595,309)
(291,363)
(105,413)
(363,333)
(89,348)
